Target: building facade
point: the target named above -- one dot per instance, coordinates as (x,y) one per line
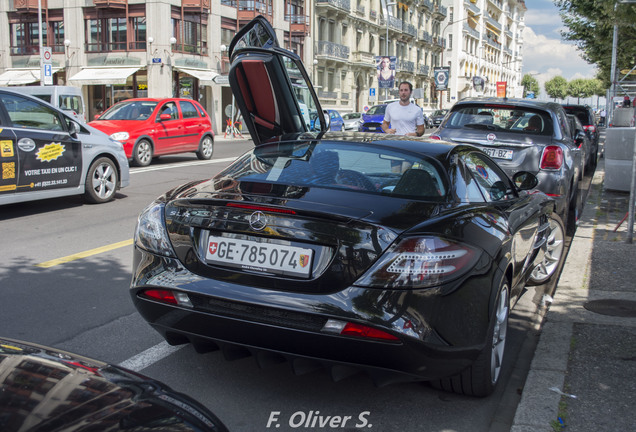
(485,40)
(118,49)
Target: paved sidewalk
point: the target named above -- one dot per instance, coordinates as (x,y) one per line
(583,374)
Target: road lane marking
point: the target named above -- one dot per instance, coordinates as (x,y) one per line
(85,254)
(179,165)
(149,357)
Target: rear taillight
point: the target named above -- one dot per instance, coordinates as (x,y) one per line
(420,262)
(552,158)
(590,128)
(357,330)
(168,296)
(435,137)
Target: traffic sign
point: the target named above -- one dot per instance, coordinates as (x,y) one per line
(221,79)
(47,54)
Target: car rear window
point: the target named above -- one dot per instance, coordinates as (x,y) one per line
(372,170)
(500,118)
(581,113)
(377,110)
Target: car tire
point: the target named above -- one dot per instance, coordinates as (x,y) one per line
(142,153)
(553,250)
(102,179)
(206,148)
(481,377)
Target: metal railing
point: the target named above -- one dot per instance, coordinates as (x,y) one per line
(341,4)
(333,50)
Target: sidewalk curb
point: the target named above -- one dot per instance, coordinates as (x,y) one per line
(539,406)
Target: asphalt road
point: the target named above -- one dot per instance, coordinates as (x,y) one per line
(64,283)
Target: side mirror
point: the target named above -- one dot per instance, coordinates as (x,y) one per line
(163,117)
(327,118)
(525,180)
(73,129)
(96,116)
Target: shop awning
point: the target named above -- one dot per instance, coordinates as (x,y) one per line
(205,76)
(103,76)
(21,76)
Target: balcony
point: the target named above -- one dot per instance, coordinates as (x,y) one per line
(333,51)
(323,94)
(230,3)
(196,5)
(426,37)
(426,3)
(472,7)
(409,29)
(471,31)
(360,11)
(342,5)
(440,10)
(28,6)
(298,23)
(423,70)
(497,3)
(121,4)
(249,9)
(363,59)
(405,66)
(494,23)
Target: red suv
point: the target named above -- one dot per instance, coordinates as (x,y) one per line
(153,127)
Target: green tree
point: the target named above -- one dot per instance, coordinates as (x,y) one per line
(556,88)
(580,88)
(530,84)
(598,89)
(590,24)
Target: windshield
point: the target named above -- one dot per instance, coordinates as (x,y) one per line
(500,118)
(350,116)
(340,165)
(377,110)
(441,112)
(133,110)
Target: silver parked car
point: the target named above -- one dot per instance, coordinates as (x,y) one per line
(47,154)
(351,120)
(522,135)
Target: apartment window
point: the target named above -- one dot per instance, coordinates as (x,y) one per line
(25,36)
(115,29)
(450,41)
(106,34)
(191,32)
(138,33)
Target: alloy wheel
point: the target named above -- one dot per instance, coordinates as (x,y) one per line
(499,334)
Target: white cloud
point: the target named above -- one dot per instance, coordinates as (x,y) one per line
(551,57)
(542,17)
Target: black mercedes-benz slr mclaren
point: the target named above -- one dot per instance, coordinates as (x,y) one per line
(400,257)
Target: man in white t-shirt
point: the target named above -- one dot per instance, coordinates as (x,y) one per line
(404,117)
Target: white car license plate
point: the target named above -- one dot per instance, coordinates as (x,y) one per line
(372,128)
(498,153)
(259,256)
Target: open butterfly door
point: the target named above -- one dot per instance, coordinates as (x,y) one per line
(271,86)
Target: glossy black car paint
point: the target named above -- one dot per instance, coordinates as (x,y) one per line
(440,329)
(45,389)
(429,327)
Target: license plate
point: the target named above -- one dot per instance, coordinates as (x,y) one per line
(372,128)
(498,153)
(259,256)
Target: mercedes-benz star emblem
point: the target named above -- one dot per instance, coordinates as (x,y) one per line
(258,221)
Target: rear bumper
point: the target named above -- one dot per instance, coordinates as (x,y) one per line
(441,330)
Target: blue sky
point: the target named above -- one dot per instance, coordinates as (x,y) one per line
(545,53)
